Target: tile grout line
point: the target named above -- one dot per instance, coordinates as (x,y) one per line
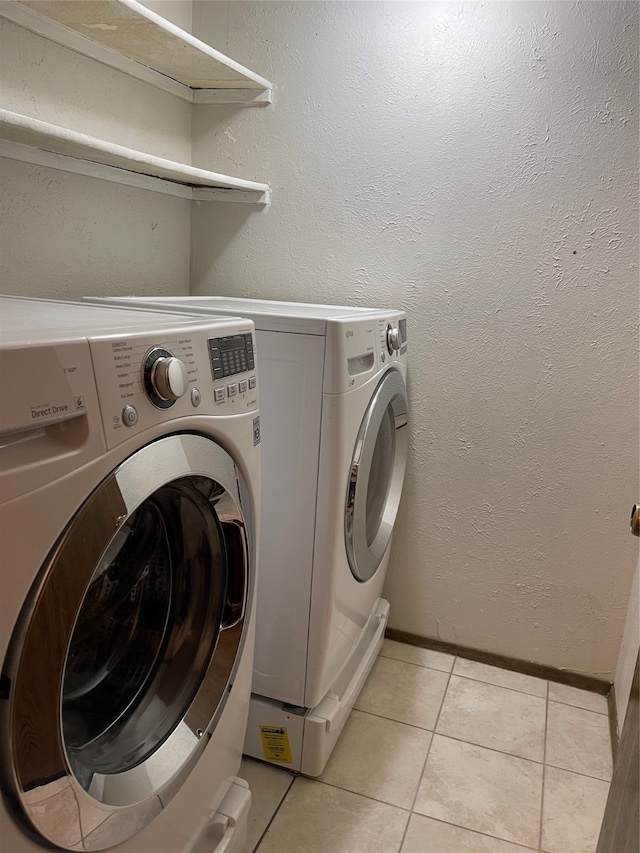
(580,708)
(471,678)
(500,686)
(391,719)
(410,812)
(424,766)
(413,663)
(356,793)
(478,832)
(581,681)
(490,749)
(461,740)
(544,768)
(578,773)
(503,686)
(271,819)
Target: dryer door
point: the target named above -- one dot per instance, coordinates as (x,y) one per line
(376,477)
(128,648)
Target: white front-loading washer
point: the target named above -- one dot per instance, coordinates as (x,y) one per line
(334,416)
(129,512)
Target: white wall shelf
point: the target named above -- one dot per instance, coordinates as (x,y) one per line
(34,141)
(126,35)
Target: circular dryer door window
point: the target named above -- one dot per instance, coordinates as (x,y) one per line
(376,477)
(130,644)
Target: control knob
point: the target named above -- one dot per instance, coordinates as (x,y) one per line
(394,339)
(165,377)
(169,378)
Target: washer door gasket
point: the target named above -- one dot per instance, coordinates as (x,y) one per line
(124,654)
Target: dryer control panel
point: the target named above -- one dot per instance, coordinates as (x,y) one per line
(358,348)
(395,336)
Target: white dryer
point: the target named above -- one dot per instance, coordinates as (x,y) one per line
(128,518)
(334,416)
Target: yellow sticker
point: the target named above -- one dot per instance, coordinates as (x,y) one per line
(275,744)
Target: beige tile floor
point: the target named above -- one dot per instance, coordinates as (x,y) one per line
(445,755)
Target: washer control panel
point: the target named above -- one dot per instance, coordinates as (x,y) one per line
(145,379)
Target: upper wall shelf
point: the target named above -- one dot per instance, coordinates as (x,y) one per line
(126,35)
(34,141)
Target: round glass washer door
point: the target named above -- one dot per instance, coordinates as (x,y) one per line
(129,645)
(376,477)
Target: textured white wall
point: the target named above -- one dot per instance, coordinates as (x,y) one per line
(476,165)
(63,235)
(176,11)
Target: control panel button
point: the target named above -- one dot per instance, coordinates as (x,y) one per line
(129,416)
(252,382)
(218,395)
(196,399)
(242,386)
(232,389)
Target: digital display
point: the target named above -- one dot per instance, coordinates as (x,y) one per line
(231,343)
(230,355)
